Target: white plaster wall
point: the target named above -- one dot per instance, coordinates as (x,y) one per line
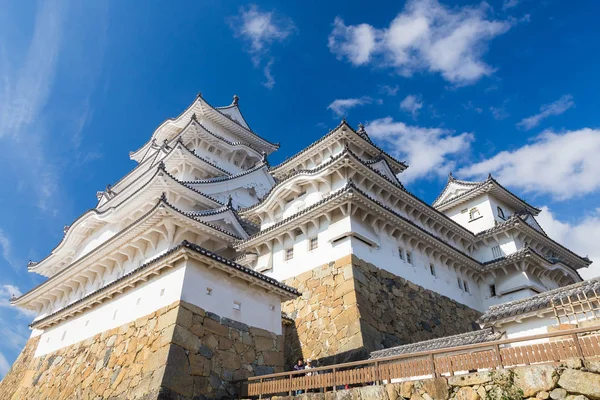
(122,309)
(304,259)
(186,281)
(445,282)
(484,206)
(96,239)
(255,302)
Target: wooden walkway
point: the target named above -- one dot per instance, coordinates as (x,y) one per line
(583,343)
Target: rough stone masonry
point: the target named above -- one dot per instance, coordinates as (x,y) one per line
(349,308)
(178,352)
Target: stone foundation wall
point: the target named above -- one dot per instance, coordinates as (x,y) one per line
(575,381)
(349,308)
(177,352)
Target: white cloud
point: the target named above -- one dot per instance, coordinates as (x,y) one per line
(261,29)
(499,113)
(340,107)
(563,165)
(582,237)
(6,247)
(558,107)
(428,151)
(471,106)
(389,90)
(425,36)
(6,293)
(412,104)
(26,88)
(269,80)
(510,4)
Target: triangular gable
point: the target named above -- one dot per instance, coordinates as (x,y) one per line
(453,190)
(235,114)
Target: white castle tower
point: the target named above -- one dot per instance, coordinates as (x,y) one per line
(154,259)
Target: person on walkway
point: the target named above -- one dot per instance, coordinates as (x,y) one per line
(299,367)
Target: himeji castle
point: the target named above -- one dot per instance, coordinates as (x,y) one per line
(205,264)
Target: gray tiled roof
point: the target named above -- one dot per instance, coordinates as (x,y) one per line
(590,288)
(480,336)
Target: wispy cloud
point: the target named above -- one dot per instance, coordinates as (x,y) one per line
(563,165)
(430,152)
(25,92)
(470,106)
(412,104)
(389,90)
(269,80)
(4,366)
(508,4)
(27,87)
(556,108)
(340,107)
(261,29)
(6,247)
(425,36)
(499,113)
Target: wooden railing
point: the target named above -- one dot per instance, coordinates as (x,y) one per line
(583,343)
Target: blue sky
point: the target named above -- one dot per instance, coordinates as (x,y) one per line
(508,87)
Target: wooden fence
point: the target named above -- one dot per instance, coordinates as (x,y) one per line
(553,347)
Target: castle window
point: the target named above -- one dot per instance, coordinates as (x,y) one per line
(409,257)
(500,212)
(459,281)
(432,269)
(237,306)
(497,252)
(289,253)
(492,290)
(313,243)
(401,253)
(474,213)
(208,291)
(466,286)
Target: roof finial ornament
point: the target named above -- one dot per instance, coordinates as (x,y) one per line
(229,201)
(199,95)
(13,297)
(236,99)
(450,176)
(163,197)
(361,128)
(489,175)
(31,264)
(66,229)
(264,157)
(194,118)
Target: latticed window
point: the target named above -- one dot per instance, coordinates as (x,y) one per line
(466,286)
(432,269)
(409,257)
(497,252)
(313,243)
(401,253)
(459,281)
(474,213)
(289,254)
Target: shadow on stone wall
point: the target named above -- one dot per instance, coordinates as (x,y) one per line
(350,308)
